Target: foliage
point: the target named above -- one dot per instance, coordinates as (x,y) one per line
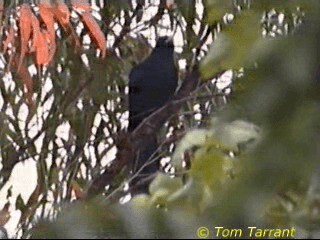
(250,159)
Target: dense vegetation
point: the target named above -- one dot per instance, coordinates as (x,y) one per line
(240,140)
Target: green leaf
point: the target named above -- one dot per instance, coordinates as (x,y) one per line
(194,138)
(20,205)
(217,9)
(187,9)
(141,201)
(234,45)
(114,7)
(289,5)
(236,133)
(207,166)
(163,186)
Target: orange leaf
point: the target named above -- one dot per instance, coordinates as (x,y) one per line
(40,44)
(62,14)
(81,5)
(95,32)
(36,31)
(25,30)
(46,14)
(42,50)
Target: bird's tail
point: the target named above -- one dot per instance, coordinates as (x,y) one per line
(146,164)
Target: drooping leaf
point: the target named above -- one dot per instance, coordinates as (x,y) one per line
(62,14)
(46,14)
(25,30)
(39,44)
(95,32)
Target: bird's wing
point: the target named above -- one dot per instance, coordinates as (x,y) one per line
(134,99)
(132,76)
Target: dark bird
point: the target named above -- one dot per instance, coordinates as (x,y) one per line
(151,84)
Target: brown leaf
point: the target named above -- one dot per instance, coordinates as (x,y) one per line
(33,199)
(95,32)
(10,39)
(78,191)
(4,215)
(26,78)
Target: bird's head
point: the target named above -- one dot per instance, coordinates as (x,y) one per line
(165,42)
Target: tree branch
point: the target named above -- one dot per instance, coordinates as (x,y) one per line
(129,143)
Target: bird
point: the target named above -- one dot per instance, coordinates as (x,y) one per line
(152,84)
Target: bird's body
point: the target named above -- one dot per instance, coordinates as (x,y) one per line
(151,84)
